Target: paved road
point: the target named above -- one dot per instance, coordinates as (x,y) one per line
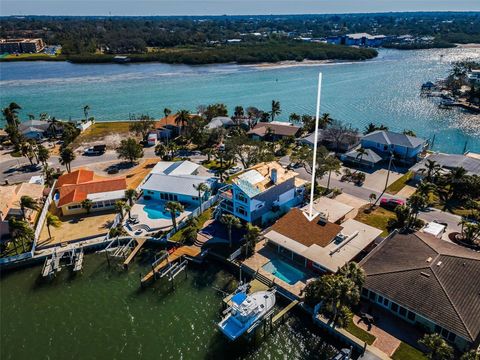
(363,193)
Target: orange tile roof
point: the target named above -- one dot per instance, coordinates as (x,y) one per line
(76,186)
(75,177)
(169,120)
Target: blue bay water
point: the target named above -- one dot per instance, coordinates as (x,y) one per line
(384,90)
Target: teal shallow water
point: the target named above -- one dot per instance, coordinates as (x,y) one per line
(103,314)
(384,90)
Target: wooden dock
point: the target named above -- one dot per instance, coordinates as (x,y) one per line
(191,251)
(140,241)
(284,311)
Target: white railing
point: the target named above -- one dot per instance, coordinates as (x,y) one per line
(116,221)
(41,218)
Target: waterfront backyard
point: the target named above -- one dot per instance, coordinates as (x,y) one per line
(103,313)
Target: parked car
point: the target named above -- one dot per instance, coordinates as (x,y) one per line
(234,170)
(391,203)
(113,170)
(96,150)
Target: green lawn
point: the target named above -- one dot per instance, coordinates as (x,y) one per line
(360,333)
(207,214)
(100,130)
(378,218)
(398,185)
(407,352)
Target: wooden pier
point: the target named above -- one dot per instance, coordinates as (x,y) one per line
(140,241)
(284,311)
(189,251)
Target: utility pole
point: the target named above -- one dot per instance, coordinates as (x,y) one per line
(310,216)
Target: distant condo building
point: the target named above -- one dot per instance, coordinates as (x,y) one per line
(19,46)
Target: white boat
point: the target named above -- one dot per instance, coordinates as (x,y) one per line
(245,312)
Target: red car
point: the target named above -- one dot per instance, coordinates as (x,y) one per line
(391,203)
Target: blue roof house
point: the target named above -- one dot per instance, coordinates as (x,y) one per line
(405,148)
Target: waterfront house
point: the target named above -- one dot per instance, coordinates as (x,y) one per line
(10,196)
(332,210)
(369,159)
(37,129)
(428,282)
(176,181)
(73,188)
(168,127)
(220,122)
(469,162)
(405,148)
(273,131)
(262,193)
(320,245)
(342,143)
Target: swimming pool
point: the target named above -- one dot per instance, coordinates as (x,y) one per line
(284,271)
(156,210)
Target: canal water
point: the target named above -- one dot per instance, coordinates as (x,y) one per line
(103,313)
(383,90)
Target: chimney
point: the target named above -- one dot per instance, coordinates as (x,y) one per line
(274,175)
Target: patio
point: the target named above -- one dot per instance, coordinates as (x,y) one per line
(263,255)
(390,331)
(146,216)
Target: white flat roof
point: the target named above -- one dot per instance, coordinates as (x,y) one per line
(334,255)
(434,229)
(175,168)
(109,195)
(334,210)
(183,185)
(252,176)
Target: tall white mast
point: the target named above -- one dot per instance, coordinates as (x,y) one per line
(311,215)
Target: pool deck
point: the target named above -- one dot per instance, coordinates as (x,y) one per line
(154,224)
(264,255)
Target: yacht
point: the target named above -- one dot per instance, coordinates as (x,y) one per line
(246,311)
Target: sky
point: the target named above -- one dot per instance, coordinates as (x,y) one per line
(228,7)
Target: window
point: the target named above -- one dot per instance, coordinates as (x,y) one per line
(438,329)
(241,197)
(241,211)
(372,296)
(319,267)
(394,307)
(411,316)
(72,207)
(402,311)
(365,292)
(452,337)
(445,333)
(386,302)
(195,198)
(379,299)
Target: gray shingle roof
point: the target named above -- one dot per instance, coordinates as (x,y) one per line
(445,289)
(389,138)
(450,161)
(371,156)
(176,184)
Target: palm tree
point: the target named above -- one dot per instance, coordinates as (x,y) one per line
(331,163)
(161,150)
(353,272)
(52,220)
(42,154)
(10,113)
(432,168)
(275,109)
(49,175)
(425,188)
(131,195)
(120,206)
(201,188)
(174,207)
(325,120)
(128,208)
(52,127)
(166,112)
(251,238)
(294,118)
(230,221)
(86,108)
(20,231)
(27,150)
(87,205)
(27,202)
(437,347)
(181,118)
(361,152)
(238,112)
(66,157)
(415,202)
